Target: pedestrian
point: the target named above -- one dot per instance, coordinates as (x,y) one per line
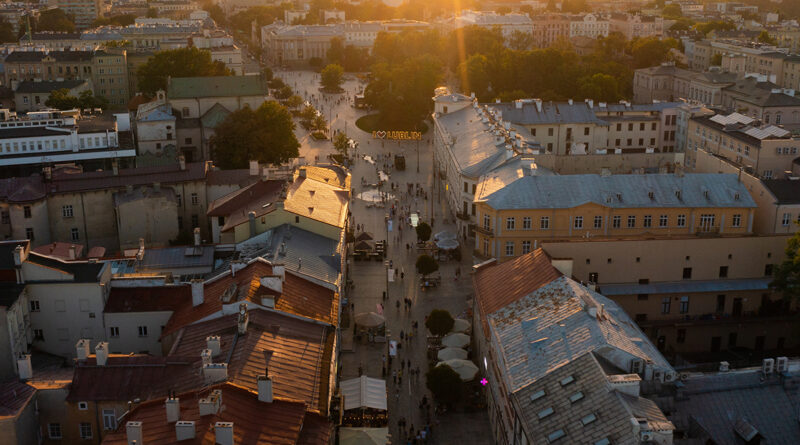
(394,376)
(361,370)
(397,303)
(402,335)
(409,363)
(399,380)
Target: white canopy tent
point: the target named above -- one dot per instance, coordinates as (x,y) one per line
(364,436)
(364,392)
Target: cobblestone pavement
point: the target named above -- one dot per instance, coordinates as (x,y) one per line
(370,277)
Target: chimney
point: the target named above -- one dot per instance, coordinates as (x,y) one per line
(82,348)
(302,172)
(265,174)
(252,219)
(279,270)
(244,318)
(73,252)
(215,372)
(24,367)
(590,103)
(182,162)
(224,433)
(274,284)
(101,353)
(254,168)
(197,236)
(210,405)
(625,383)
(133,429)
(115,167)
(518,104)
(205,356)
(237,265)
(184,430)
(173,406)
(569,101)
(213,344)
(509,151)
(264,388)
(198,291)
(19,256)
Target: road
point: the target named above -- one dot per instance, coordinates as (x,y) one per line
(370,278)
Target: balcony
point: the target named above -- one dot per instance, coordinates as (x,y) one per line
(704,230)
(484,231)
(463,216)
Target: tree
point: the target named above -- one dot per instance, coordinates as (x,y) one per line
(335,52)
(787,274)
(294,102)
(649,51)
(62,100)
(265,135)
(423,231)
(183,62)
(55,20)
(426,265)
(444,383)
(439,322)
(764,37)
(672,11)
(152,13)
(341,143)
(319,123)
(266,73)
(117,20)
(315,62)
(284,92)
(7,34)
(520,41)
(602,87)
(307,115)
(332,77)
(716,59)
(87,100)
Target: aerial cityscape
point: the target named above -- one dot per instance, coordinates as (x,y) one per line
(400,222)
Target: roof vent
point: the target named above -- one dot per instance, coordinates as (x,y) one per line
(82,348)
(724,366)
(652,195)
(26,370)
(244,319)
(215,372)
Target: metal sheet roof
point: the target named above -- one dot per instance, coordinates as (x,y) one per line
(686,286)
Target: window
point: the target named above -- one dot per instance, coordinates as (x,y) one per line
(187,141)
(538,395)
(38,334)
(787,218)
(185,112)
(586,131)
(526,247)
(66,211)
(578,222)
(598,222)
(681,221)
(575,397)
(642,297)
(6,217)
(180,222)
(114,331)
(195,199)
(587,419)
(768,270)
(555,435)
(566,380)
(681,338)
(29,233)
(616,221)
(85,430)
(180,199)
(487,222)
(544,222)
(195,220)
(631,221)
(737,220)
(509,248)
(533,132)
(545,412)
(142,331)
(550,131)
(665,303)
(109,419)
(648,221)
(723,271)
(687,273)
(26,211)
(83,406)
(684,309)
(75,234)
(466,187)
(707,222)
(54,430)
(526,223)
(510,223)
(34,305)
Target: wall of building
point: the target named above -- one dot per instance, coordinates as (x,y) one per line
(129,339)
(154,136)
(615,163)
(19,335)
(8,362)
(53,409)
(197,107)
(92,214)
(279,217)
(154,218)
(22,429)
(38,221)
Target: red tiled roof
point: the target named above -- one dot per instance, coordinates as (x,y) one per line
(498,285)
(300,353)
(278,423)
(59,250)
(147,299)
(14,396)
(299,297)
(129,377)
(316,430)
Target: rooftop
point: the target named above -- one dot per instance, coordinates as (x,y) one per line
(46,86)
(297,352)
(323,200)
(76,271)
(14,397)
(700,190)
(180,257)
(220,86)
(786,191)
(474,148)
(743,128)
(147,299)
(258,197)
(60,250)
(551,112)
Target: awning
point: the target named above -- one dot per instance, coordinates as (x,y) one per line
(364,436)
(364,392)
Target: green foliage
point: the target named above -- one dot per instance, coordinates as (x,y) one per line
(152,13)
(720,25)
(265,135)
(266,73)
(263,15)
(276,83)
(672,11)
(307,116)
(349,57)
(117,20)
(764,37)
(319,124)
(216,12)
(439,322)
(649,51)
(519,40)
(444,383)
(331,77)
(183,62)
(423,231)
(601,87)
(294,102)
(787,274)
(574,6)
(55,20)
(284,92)
(62,100)
(7,34)
(117,44)
(341,143)
(682,24)
(426,265)
(401,92)
(315,63)
(716,59)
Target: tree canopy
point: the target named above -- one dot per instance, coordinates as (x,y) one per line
(764,37)
(341,143)
(265,135)
(182,62)
(332,77)
(7,34)
(55,20)
(423,230)
(444,383)
(439,322)
(426,265)
(787,274)
(62,100)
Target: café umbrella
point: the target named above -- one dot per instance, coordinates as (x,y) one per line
(464,368)
(451,353)
(456,340)
(369,319)
(460,325)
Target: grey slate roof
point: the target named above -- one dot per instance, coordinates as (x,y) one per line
(622,191)
(46,86)
(474,148)
(82,271)
(552,113)
(177,257)
(553,326)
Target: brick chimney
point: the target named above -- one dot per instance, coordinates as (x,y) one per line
(224,433)
(101,354)
(198,291)
(244,319)
(133,430)
(205,355)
